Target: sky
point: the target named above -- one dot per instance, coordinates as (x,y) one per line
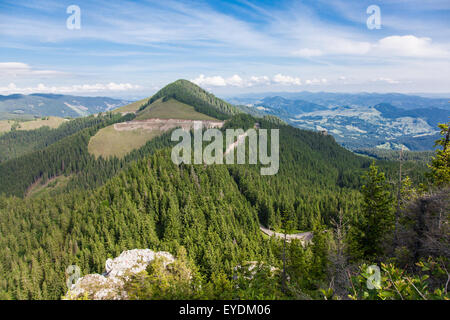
(130,49)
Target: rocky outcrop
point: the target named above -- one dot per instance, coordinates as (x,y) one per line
(110,285)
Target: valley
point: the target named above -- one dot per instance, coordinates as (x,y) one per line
(360,121)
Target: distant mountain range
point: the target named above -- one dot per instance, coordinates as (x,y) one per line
(332,99)
(18,106)
(365,120)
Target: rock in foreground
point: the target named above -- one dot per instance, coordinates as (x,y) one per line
(109,285)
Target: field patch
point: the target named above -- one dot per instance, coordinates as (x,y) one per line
(122,138)
(5,126)
(52,122)
(109,142)
(38,188)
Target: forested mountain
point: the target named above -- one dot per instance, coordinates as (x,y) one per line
(18,106)
(213,213)
(191,94)
(19,142)
(161,201)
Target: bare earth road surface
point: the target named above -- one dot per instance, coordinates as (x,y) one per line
(164,124)
(304,237)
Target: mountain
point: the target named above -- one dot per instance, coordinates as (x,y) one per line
(19,106)
(360,125)
(213,211)
(202,101)
(288,107)
(62,205)
(433,116)
(177,104)
(364,99)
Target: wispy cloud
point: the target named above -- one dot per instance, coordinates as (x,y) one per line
(265,44)
(388,47)
(410,46)
(254,81)
(82,88)
(19,69)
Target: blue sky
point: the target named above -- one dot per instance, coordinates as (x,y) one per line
(131,49)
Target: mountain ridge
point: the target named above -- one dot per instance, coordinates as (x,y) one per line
(191,94)
(19,106)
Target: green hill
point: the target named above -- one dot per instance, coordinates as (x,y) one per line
(178,100)
(203,102)
(108,142)
(181,99)
(132,107)
(171,109)
(35,135)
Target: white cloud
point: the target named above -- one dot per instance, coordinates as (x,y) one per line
(286,80)
(83,88)
(348,47)
(19,69)
(409,46)
(264,80)
(335,46)
(238,81)
(235,80)
(387,80)
(316,81)
(215,81)
(388,47)
(307,53)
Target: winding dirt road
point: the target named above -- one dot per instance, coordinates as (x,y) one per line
(304,237)
(164,124)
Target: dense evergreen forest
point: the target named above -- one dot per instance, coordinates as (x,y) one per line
(405,155)
(17,143)
(361,212)
(67,155)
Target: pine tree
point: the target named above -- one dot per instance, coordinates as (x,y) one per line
(440,165)
(376,221)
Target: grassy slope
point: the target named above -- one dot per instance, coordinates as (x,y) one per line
(109,142)
(15,116)
(5,125)
(193,95)
(132,107)
(171,109)
(52,122)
